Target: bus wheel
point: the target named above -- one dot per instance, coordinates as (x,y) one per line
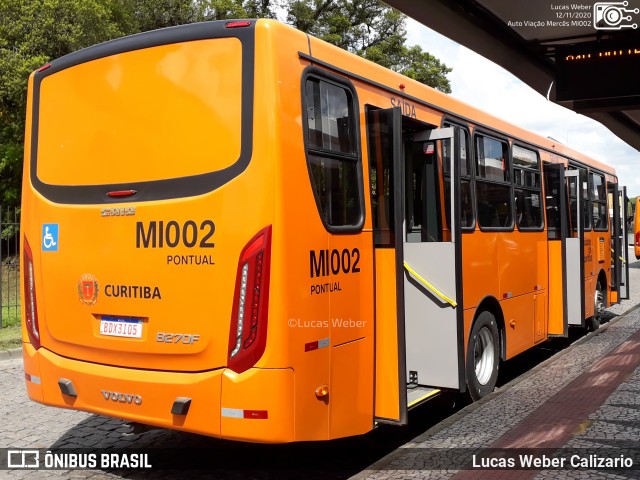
(482,356)
(593,323)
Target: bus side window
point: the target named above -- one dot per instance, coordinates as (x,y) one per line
(493,186)
(467,220)
(598,196)
(527,188)
(333,153)
(586,211)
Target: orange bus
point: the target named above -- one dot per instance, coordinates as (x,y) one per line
(236,229)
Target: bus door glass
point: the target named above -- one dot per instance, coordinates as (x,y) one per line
(574,245)
(614,222)
(617,202)
(624,250)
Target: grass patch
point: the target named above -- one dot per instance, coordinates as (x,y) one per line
(10,300)
(10,337)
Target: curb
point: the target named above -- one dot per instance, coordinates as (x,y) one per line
(11,354)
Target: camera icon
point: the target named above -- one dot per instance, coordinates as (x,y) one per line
(612,16)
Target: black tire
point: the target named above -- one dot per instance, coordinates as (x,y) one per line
(482,356)
(594,322)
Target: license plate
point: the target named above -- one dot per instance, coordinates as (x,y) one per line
(129,327)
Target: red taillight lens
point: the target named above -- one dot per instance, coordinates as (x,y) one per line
(30,307)
(248,334)
(121,193)
(237,24)
(637,239)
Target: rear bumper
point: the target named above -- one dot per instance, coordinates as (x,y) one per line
(256,405)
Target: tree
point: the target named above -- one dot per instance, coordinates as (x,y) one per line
(371,29)
(32,32)
(14,69)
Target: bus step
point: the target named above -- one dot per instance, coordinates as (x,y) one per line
(417,395)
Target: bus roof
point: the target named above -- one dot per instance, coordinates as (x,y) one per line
(345,62)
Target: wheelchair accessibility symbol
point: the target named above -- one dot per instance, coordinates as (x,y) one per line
(50,237)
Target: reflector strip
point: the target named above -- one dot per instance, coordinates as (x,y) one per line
(32,378)
(507,295)
(308,347)
(248,414)
(256,414)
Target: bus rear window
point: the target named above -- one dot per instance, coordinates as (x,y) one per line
(157,113)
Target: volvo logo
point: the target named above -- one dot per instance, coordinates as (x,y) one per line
(121,397)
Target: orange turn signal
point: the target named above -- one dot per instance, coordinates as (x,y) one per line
(322,391)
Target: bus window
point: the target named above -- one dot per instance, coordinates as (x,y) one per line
(492,184)
(598,196)
(586,211)
(466,198)
(526,179)
(332,153)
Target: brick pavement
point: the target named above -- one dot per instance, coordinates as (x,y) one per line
(527,400)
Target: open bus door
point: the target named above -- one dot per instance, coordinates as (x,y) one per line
(624,250)
(618,226)
(565,246)
(574,251)
(430,265)
(419,322)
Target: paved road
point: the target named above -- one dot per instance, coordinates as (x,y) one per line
(26,424)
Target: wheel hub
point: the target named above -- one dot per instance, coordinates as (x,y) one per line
(483,356)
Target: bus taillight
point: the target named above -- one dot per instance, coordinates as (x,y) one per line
(237,24)
(30,307)
(248,334)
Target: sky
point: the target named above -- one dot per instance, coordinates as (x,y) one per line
(503,95)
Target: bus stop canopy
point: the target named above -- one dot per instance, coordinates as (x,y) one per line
(584,56)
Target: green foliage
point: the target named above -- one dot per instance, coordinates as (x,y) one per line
(10,286)
(56,27)
(32,32)
(371,29)
(10,337)
(15,68)
(425,68)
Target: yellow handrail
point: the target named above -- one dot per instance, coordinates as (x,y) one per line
(623,260)
(429,286)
